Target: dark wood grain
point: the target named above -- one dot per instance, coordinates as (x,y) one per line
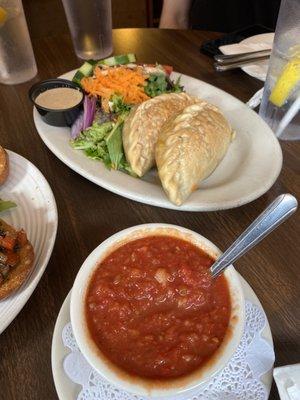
(88,214)
(47,17)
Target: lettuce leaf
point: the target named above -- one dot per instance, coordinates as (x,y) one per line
(118,105)
(103,142)
(159,83)
(6,205)
(115,145)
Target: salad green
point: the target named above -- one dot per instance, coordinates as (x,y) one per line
(98,129)
(118,105)
(6,205)
(103,141)
(158,83)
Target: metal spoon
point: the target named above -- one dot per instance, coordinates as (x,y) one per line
(276,213)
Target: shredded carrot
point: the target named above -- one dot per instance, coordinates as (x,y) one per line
(129,83)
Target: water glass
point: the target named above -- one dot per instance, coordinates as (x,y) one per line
(281,98)
(90,23)
(17,62)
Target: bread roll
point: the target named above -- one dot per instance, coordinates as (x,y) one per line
(143,124)
(189,148)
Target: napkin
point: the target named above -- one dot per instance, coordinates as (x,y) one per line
(288,381)
(258,69)
(237,48)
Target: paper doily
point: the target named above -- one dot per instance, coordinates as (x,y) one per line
(239,380)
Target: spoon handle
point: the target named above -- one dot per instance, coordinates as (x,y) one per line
(276,213)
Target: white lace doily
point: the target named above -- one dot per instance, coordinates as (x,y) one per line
(239,380)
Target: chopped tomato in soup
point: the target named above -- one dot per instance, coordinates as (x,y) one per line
(153,309)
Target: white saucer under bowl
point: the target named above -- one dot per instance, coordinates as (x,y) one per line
(68,390)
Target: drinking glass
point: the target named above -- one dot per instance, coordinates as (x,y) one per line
(281,98)
(17,62)
(90,23)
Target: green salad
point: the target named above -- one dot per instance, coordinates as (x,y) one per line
(98,130)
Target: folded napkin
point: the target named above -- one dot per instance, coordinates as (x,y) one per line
(237,48)
(258,69)
(288,381)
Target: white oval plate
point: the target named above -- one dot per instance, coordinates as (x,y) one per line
(258,70)
(250,167)
(68,390)
(35,212)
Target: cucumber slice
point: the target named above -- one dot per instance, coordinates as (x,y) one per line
(77,77)
(85,70)
(117,60)
(88,67)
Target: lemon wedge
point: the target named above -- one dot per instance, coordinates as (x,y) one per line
(287,81)
(3,16)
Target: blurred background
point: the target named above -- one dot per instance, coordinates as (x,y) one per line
(47,17)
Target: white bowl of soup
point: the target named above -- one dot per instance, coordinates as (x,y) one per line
(148,316)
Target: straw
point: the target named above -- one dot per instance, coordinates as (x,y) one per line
(288,116)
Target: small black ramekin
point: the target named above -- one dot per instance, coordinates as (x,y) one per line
(64,117)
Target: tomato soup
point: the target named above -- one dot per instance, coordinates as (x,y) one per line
(153,309)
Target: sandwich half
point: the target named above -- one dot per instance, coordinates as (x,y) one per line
(190,146)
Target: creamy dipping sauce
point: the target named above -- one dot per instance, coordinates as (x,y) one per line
(59,98)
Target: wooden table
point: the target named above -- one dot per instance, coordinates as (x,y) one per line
(89,214)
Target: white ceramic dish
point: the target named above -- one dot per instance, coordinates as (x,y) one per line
(35,212)
(258,70)
(250,167)
(118,377)
(68,390)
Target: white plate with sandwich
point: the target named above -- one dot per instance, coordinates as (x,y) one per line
(251,165)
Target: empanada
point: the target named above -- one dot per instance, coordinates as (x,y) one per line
(143,124)
(189,148)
